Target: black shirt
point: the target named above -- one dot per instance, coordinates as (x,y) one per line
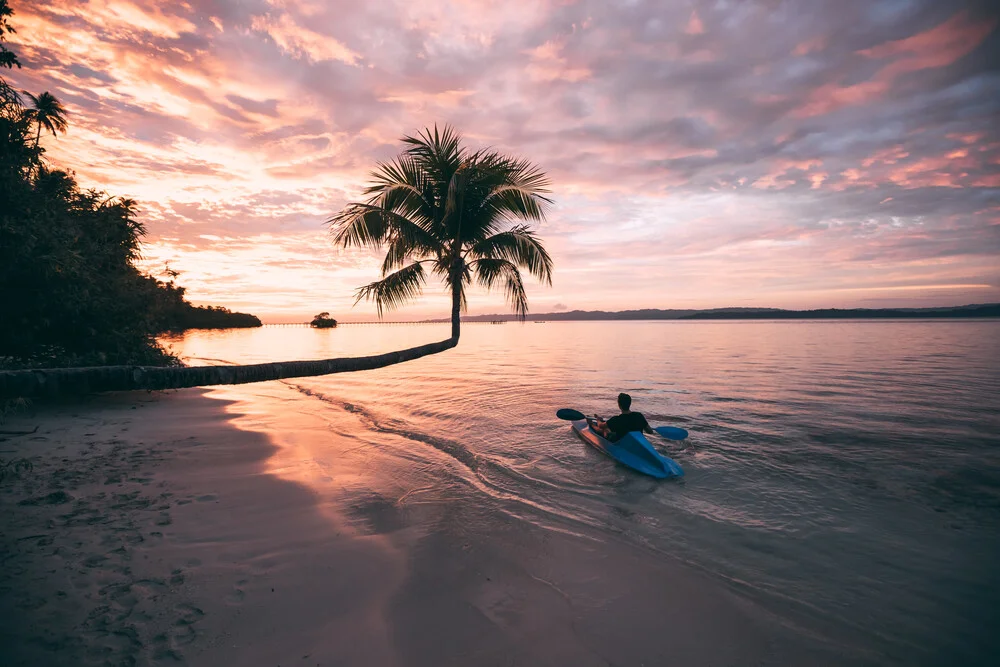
(626,423)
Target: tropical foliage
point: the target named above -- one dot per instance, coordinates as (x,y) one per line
(464,216)
(47,112)
(70,291)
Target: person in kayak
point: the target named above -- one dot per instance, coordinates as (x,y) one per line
(615,428)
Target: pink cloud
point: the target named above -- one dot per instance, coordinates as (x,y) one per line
(302,42)
(813,45)
(676,159)
(890,155)
(832,96)
(938,47)
(548,64)
(694,25)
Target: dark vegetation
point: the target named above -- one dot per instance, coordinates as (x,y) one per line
(323,321)
(70,291)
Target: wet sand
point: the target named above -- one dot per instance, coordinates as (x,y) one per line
(158,529)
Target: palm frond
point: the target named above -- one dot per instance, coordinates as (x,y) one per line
(360,225)
(400,185)
(395,289)
(370,225)
(406,242)
(439,154)
(48,112)
(520,246)
(492,272)
(436,146)
(454,206)
(501,190)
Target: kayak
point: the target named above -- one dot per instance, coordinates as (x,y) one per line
(633,450)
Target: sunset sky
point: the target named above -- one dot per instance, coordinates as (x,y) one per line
(702,154)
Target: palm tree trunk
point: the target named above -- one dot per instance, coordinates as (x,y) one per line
(38,135)
(456,309)
(76,381)
(455,275)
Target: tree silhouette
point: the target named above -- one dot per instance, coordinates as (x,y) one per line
(8,96)
(463,214)
(47,112)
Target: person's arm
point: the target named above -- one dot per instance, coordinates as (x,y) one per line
(647,428)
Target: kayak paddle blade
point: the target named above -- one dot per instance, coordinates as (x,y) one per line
(671,432)
(571,415)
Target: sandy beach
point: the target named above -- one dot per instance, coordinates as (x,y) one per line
(160,529)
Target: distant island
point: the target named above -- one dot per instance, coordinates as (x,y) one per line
(323,321)
(209,317)
(972,310)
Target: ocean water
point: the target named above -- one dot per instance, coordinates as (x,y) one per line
(845,474)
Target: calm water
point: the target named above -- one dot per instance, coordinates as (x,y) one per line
(846,473)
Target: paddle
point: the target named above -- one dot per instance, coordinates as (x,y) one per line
(669,432)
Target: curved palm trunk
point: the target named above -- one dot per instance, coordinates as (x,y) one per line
(75,381)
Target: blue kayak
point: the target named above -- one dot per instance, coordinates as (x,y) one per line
(633,451)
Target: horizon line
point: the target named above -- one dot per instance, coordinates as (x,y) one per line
(680,312)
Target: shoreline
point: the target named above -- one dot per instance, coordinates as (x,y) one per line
(164,529)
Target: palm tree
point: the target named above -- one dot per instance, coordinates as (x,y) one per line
(48,112)
(455,211)
(437,204)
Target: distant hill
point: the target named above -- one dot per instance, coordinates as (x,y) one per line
(972,310)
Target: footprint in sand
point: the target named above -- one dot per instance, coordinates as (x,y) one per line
(54,498)
(190,614)
(238,595)
(163,650)
(166,646)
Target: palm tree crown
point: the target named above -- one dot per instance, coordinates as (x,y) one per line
(464,214)
(48,112)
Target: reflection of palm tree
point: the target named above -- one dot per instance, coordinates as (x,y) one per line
(436,204)
(455,211)
(48,112)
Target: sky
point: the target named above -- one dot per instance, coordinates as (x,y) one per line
(770,153)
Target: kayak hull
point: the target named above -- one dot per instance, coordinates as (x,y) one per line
(633,451)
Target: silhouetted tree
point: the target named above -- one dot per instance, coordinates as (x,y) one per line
(437,204)
(70,291)
(8,58)
(47,112)
(456,211)
(71,295)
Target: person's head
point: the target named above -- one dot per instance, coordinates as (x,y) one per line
(624,401)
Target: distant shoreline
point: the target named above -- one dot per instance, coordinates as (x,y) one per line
(981,310)
(949,312)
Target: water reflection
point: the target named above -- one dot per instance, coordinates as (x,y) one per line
(836,465)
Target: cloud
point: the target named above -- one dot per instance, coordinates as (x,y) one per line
(301,42)
(694,24)
(772,153)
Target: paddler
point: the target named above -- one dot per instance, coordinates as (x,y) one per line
(615,428)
